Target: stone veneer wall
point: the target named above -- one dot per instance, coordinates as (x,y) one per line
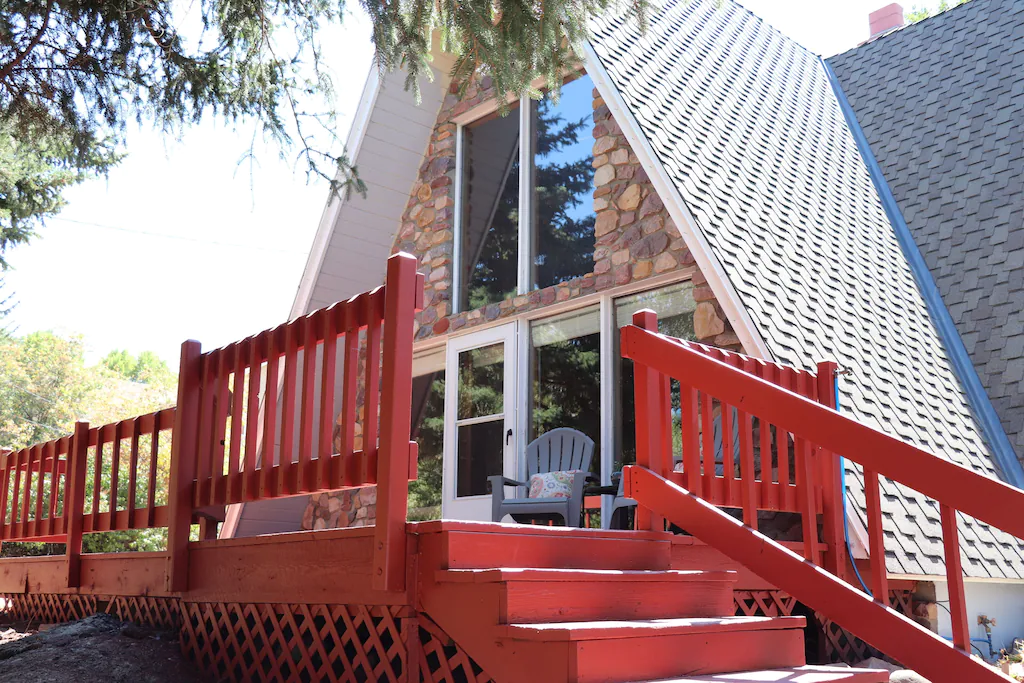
(636,239)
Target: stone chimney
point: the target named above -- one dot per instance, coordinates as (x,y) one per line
(885,19)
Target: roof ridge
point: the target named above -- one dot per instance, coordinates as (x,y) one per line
(906,29)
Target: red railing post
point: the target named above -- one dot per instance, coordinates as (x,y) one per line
(400,300)
(955,578)
(830,467)
(74,501)
(184,443)
(876,538)
(649,407)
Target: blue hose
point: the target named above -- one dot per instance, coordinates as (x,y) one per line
(846,520)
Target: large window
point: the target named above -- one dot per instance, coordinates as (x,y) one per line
(512,241)
(490,216)
(428,433)
(565,367)
(675,306)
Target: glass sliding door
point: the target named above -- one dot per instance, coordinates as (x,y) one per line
(674,305)
(565,376)
(480,408)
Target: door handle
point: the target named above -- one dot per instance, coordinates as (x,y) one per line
(508,435)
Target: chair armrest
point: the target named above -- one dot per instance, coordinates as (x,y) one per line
(496,479)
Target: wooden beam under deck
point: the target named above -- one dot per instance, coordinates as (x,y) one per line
(335,566)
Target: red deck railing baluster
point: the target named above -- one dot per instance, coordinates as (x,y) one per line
(233,493)
(222,402)
(709,456)
(955,579)
(304,478)
(250,483)
(325,433)
(154,453)
(728,455)
(748,483)
(133,470)
(285,478)
(5,483)
(690,439)
(347,420)
(372,313)
(268,469)
(876,538)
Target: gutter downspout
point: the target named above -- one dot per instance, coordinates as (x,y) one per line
(978,398)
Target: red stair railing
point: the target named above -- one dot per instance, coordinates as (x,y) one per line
(816,428)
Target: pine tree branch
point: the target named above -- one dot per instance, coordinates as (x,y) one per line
(5,72)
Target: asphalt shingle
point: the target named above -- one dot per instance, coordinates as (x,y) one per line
(941,103)
(748,127)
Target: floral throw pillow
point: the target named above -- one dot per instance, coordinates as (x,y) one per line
(552,484)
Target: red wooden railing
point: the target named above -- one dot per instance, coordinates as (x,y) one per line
(792,478)
(256,419)
(821,430)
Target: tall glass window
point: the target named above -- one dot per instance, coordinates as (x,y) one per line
(428,433)
(565,366)
(558,182)
(562,207)
(490,211)
(675,306)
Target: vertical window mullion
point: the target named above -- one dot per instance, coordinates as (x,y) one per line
(457,266)
(608,385)
(525,282)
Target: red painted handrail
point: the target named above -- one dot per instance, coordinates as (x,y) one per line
(877,624)
(955,487)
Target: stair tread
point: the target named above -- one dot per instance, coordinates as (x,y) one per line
(500,574)
(596,630)
(800,674)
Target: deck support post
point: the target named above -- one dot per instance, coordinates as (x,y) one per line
(400,302)
(181,489)
(830,470)
(651,413)
(74,502)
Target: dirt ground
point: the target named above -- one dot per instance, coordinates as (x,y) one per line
(99,648)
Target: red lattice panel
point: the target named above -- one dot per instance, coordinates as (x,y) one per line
(841,646)
(46,608)
(441,660)
(272,642)
(766,603)
(155,612)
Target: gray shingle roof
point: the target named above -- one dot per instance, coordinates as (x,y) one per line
(748,127)
(941,103)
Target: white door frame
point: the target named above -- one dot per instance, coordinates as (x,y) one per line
(479,507)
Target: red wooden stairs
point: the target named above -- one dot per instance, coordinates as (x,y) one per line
(592,623)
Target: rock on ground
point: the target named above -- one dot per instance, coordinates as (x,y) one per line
(98,648)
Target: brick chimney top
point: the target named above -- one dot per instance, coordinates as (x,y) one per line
(885,19)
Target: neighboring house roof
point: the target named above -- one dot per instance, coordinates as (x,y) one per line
(746,123)
(941,103)
(743,136)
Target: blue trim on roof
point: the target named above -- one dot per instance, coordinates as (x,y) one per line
(992,428)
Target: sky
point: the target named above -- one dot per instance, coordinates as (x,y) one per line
(181,241)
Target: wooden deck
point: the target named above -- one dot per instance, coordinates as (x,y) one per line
(468,586)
